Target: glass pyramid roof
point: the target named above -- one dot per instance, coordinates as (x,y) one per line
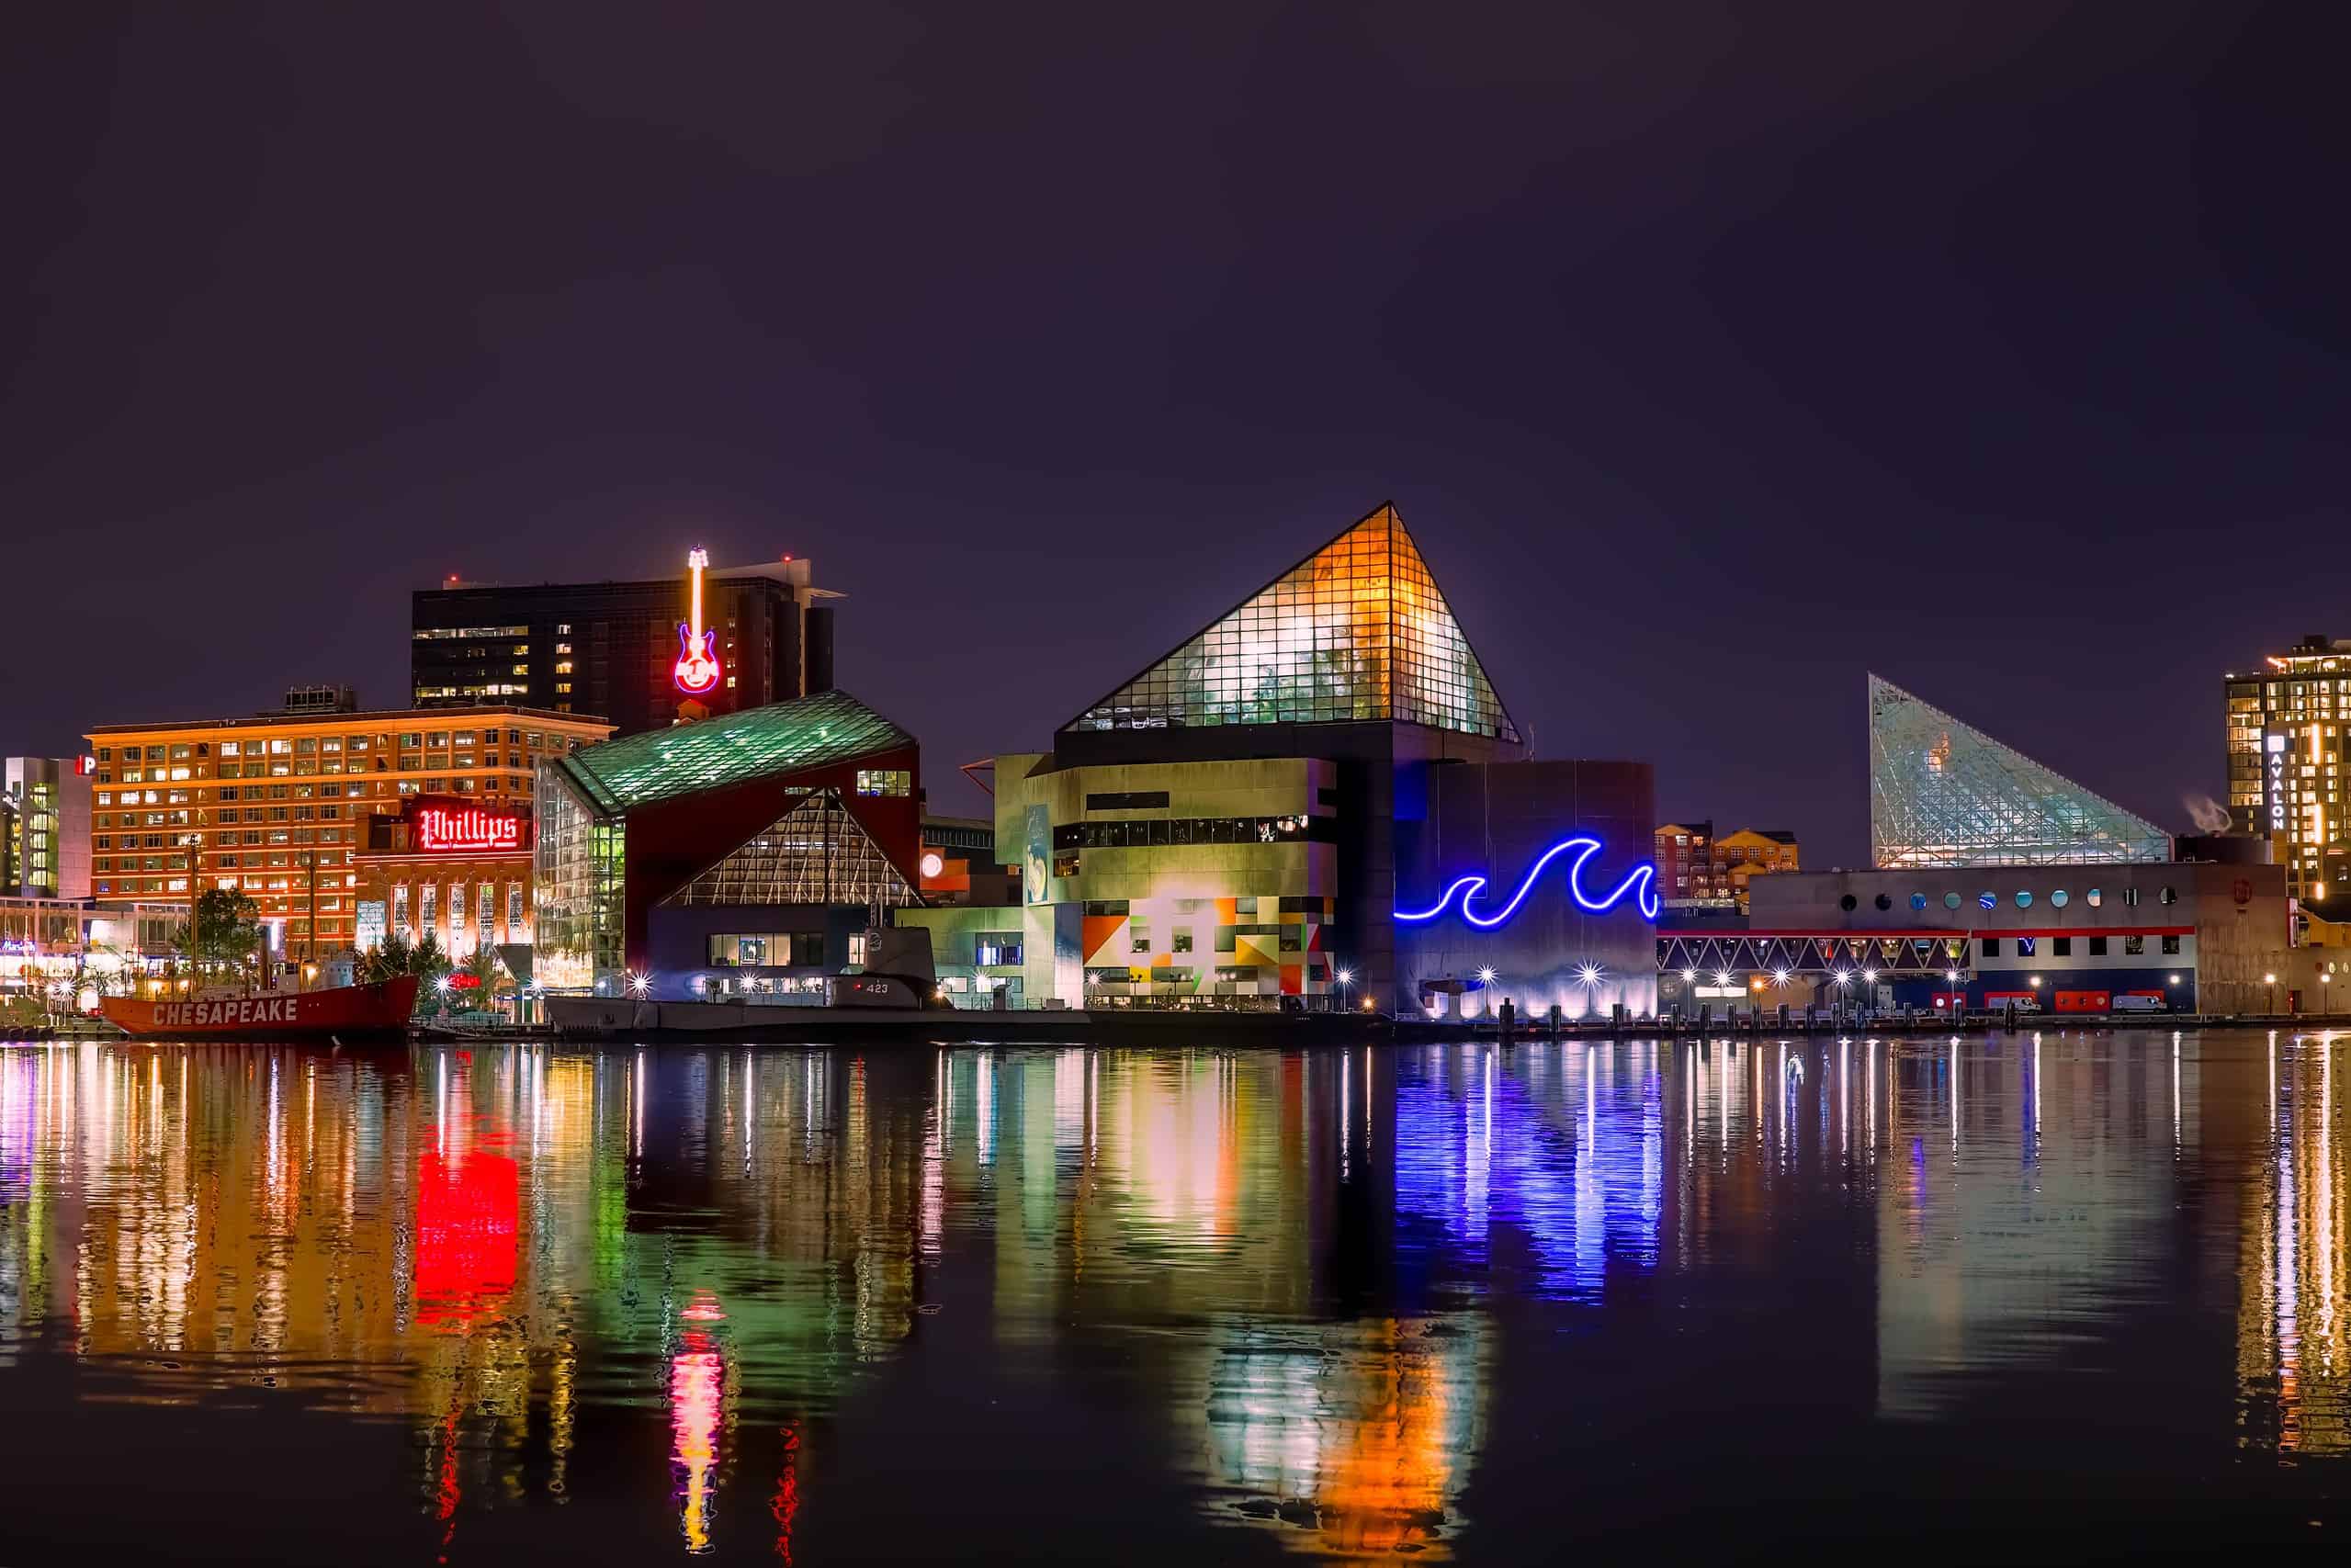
(814,853)
(686,759)
(1358,630)
(1945,793)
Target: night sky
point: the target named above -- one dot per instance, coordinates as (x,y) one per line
(1712,360)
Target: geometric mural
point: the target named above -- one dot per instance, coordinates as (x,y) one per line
(1358,630)
(1945,793)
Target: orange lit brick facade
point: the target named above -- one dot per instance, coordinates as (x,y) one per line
(468,889)
(262,804)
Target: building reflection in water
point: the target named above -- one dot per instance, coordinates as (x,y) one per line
(2025,1206)
(2293,1364)
(1309,1267)
(1566,1144)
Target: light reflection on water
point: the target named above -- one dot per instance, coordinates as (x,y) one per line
(1328,1298)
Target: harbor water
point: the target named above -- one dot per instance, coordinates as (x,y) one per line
(2030,1295)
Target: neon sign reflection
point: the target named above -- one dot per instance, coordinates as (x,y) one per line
(1640,885)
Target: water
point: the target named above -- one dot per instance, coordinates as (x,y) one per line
(2043,1296)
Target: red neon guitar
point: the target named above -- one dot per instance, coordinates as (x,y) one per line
(696,670)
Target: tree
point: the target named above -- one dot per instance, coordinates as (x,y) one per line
(483,966)
(394,956)
(223,932)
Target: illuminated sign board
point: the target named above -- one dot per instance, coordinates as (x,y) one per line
(467,829)
(1639,885)
(696,670)
(2277,744)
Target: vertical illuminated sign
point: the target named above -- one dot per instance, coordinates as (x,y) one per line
(696,670)
(2277,746)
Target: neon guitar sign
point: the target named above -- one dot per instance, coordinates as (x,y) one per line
(696,670)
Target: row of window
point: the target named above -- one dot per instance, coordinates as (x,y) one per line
(1182,974)
(1160,831)
(768,949)
(2063,947)
(1254,904)
(302,767)
(2058,898)
(1129,800)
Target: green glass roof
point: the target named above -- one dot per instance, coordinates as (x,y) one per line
(686,759)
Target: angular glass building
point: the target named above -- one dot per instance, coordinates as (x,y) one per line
(1317,795)
(756,846)
(1356,631)
(1942,793)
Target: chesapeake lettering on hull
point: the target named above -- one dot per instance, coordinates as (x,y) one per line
(244,1009)
(467,829)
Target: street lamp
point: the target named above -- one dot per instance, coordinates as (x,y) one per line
(1345,977)
(2271,981)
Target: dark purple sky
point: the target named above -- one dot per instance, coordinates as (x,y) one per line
(1712,359)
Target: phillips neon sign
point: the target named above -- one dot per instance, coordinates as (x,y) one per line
(1639,885)
(467,829)
(696,670)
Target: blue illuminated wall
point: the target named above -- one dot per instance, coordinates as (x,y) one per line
(1498,820)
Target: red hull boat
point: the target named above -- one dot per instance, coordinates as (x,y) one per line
(343,1013)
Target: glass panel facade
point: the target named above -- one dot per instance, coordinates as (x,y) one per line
(1357,631)
(579,876)
(815,853)
(1944,793)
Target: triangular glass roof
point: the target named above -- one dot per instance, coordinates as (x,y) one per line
(814,853)
(1358,630)
(1944,793)
(686,759)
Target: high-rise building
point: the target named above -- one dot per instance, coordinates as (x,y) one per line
(32,831)
(275,804)
(609,649)
(2286,757)
(1942,793)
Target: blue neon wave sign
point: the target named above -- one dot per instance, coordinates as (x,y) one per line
(1639,885)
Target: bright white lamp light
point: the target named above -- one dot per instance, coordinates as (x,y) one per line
(1486,976)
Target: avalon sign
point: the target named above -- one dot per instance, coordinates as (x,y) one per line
(2277,744)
